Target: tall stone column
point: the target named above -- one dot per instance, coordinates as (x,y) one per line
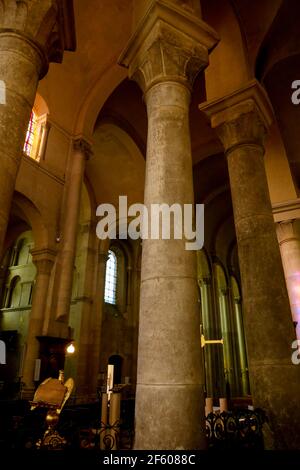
(27,33)
(241,121)
(43,260)
(96,323)
(207,331)
(227,346)
(166,52)
(85,380)
(242,352)
(81,153)
(214,368)
(289,243)
(135,321)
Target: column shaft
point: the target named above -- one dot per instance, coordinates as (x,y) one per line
(243,362)
(214,368)
(241,120)
(169,366)
(227,346)
(86,380)
(43,260)
(169,47)
(20,65)
(70,228)
(96,321)
(206,330)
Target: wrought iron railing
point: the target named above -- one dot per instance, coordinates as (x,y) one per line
(236,429)
(82,428)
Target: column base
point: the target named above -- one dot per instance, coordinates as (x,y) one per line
(277,393)
(170,417)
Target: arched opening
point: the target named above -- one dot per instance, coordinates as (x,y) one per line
(16,287)
(37,130)
(111,278)
(14,292)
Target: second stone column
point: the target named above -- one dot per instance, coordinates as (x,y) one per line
(169,398)
(241,121)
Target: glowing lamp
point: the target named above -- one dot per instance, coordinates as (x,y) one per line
(71,349)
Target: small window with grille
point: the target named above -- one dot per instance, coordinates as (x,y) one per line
(111,277)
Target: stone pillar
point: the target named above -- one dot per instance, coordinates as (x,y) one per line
(27,31)
(96,323)
(289,243)
(227,346)
(135,322)
(85,380)
(164,56)
(43,260)
(81,152)
(208,334)
(241,120)
(214,368)
(242,352)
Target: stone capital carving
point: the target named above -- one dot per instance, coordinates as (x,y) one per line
(46,25)
(43,259)
(170,44)
(286,231)
(205,281)
(242,117)
(83,146)
(224,291)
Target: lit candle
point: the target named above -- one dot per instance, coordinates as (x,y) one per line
(110,379)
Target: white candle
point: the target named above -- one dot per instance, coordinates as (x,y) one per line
(110,377)
(37,370)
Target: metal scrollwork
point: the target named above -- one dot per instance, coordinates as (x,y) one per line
(239,428)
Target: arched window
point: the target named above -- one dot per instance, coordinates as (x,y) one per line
(30,135)
(111,276)
(14,294)
(37,135)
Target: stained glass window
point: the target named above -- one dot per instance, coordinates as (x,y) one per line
(111,274)
(30,135)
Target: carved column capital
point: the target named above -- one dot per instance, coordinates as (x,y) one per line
(286,231)
(45,25)
(224,291)
(170,44)
(43,260)
(205,281)
(82,146)
(241,118)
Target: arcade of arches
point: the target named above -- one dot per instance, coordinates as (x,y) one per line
(164,101)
